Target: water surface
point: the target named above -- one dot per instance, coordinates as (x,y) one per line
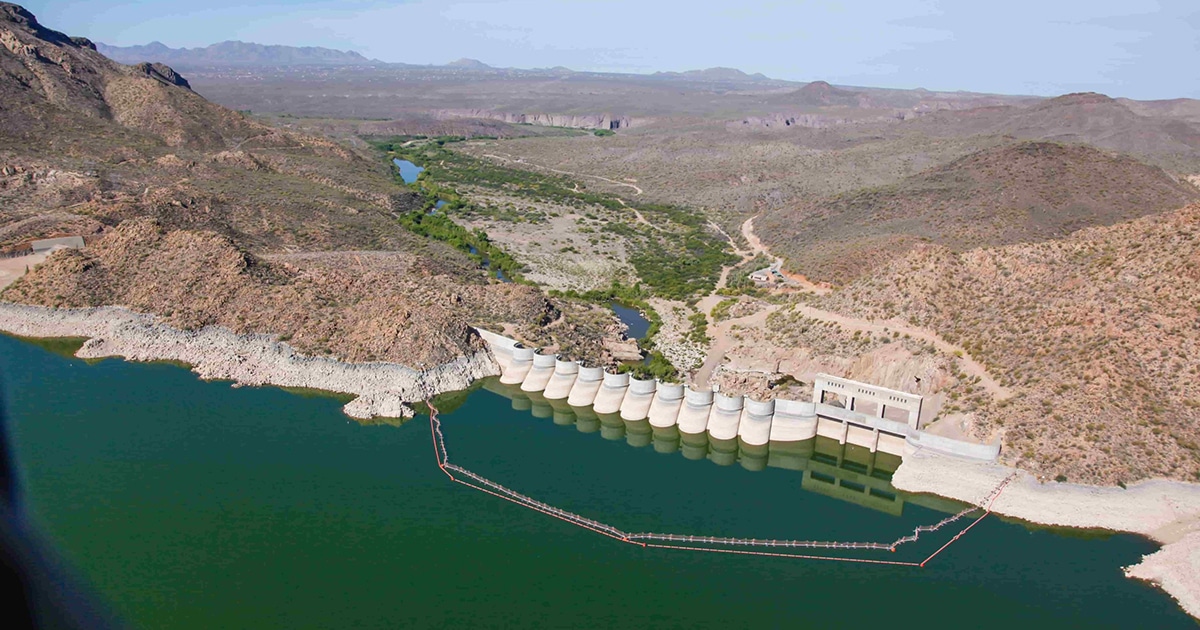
(633,318)
(408,170)
(192,504)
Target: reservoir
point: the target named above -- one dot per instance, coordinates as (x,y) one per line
(408,170)
(191,504)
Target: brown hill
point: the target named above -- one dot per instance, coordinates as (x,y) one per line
(822,94)
(1097,335)
(1023,192)
(202,216)
(1086,118)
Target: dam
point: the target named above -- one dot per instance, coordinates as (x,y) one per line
(850,412)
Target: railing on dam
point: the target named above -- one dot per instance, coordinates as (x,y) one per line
(725,417)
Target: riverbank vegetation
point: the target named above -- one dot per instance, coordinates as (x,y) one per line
(671,248)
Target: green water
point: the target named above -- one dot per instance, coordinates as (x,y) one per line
(193,504)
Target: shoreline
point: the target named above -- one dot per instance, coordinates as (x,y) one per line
(216,353)
(1165,511)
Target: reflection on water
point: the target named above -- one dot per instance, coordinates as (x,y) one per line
(841,471)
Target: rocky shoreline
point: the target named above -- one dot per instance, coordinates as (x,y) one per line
(1165,511)
(381,389)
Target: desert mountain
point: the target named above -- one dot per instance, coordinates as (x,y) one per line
(234,53)
(1088,118)
(468,64)
(1095,335)
(202,216)
(714,74)
(822,94)
(1024,192)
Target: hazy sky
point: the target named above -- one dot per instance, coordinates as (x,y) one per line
(1135,48)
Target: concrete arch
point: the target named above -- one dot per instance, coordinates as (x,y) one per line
(638,399)
(587,383)
(754,428)
(611,393)
(539,375)
(561,380)
(664,411)
(694,412)
(725,416)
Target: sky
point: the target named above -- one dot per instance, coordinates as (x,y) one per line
(1143,49)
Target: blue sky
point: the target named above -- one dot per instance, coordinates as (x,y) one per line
(1136,48)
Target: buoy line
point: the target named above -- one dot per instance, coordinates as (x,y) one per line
(687,542)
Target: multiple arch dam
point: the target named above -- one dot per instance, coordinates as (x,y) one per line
(863,419)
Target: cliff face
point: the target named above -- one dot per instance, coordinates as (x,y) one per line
(592,121)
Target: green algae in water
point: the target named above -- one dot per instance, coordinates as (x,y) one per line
(191,504)
(61,346)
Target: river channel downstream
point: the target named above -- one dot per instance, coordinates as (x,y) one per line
(191,504)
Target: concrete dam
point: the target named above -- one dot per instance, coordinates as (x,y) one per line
(862,419)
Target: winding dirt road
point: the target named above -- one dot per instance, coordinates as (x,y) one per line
(723,341)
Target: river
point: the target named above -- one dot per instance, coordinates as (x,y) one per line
(636,323)
(408,170)
(191,504)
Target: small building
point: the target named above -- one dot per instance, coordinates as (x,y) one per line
(48,245)
(762,276)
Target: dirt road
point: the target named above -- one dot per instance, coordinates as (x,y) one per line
(13,268)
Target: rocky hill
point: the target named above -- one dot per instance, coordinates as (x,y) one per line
(202,216)
(1023,192)
(233,53)
(1097,335)
(822,94)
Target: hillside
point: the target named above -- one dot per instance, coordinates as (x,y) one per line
(1159,133)
(1014,193)
(199,215)
(1097,335)
(233,53)
(821,94)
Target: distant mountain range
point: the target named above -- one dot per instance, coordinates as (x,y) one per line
(233,53)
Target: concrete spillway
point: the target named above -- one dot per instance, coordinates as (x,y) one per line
(735,428)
